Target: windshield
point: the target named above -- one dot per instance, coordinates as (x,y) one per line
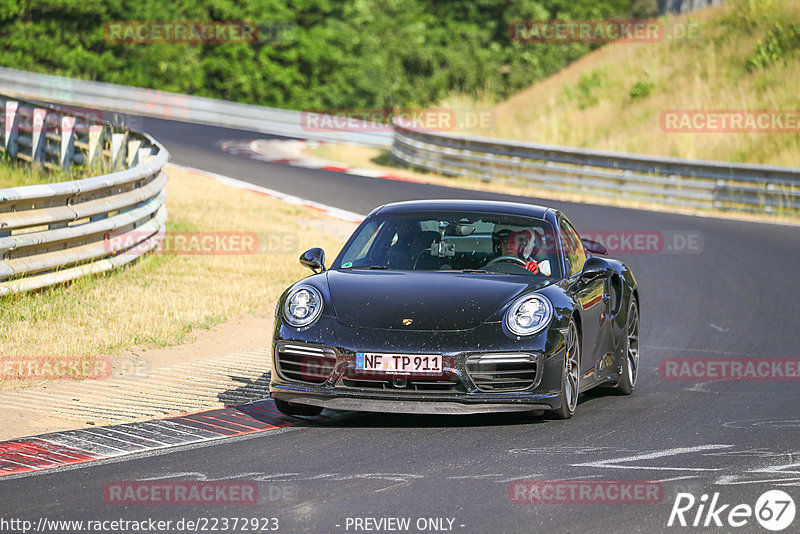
(453,241)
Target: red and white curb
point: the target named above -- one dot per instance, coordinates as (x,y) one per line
(87,445)
(337,213)
(290,152)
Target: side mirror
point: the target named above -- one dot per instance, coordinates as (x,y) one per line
(595,268)
(314,259)
(594,247)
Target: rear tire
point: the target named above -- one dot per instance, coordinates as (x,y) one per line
(289,408)
(570,375)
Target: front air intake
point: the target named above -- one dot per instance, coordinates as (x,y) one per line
(305,363)
(502,372)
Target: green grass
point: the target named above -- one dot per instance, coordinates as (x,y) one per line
(15,174)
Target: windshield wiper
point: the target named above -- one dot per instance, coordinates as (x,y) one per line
(478,271)
(370,267)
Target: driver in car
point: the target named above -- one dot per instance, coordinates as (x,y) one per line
(521,244)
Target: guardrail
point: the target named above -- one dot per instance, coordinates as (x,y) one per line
(56,232)
(175,106)
(668,181)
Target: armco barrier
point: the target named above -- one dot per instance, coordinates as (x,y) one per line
(53,233)
(667,181)
(175,106)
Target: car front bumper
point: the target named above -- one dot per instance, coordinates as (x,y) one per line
(331,380)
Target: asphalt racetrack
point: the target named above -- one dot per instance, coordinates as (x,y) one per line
(715,289)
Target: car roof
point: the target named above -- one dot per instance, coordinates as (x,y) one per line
(479,206)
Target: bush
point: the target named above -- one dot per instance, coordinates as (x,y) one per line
(779,44)
(584,93)
(642,89)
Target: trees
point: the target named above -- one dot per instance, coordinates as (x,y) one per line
(311,54)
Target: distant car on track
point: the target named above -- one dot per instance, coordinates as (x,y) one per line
(456,307)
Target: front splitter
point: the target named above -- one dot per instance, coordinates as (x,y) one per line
(426,407)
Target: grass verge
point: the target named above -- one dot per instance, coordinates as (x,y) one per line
(159,300)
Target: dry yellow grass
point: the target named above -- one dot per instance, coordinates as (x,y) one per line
(158,300)
(593,104)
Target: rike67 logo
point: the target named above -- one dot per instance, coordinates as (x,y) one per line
(774,510)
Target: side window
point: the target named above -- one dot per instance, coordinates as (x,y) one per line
(573,248)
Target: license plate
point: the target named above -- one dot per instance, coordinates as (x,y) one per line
(399,363)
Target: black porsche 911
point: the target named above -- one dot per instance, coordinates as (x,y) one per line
(456,307)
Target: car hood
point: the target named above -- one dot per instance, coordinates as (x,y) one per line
(432,300)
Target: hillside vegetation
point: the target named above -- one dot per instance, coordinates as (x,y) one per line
(309,54)
(744,55)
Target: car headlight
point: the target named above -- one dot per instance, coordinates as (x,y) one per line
(303,306)
(529,314)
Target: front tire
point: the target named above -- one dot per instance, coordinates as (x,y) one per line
(630,367)
(570,374)
(289,408)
